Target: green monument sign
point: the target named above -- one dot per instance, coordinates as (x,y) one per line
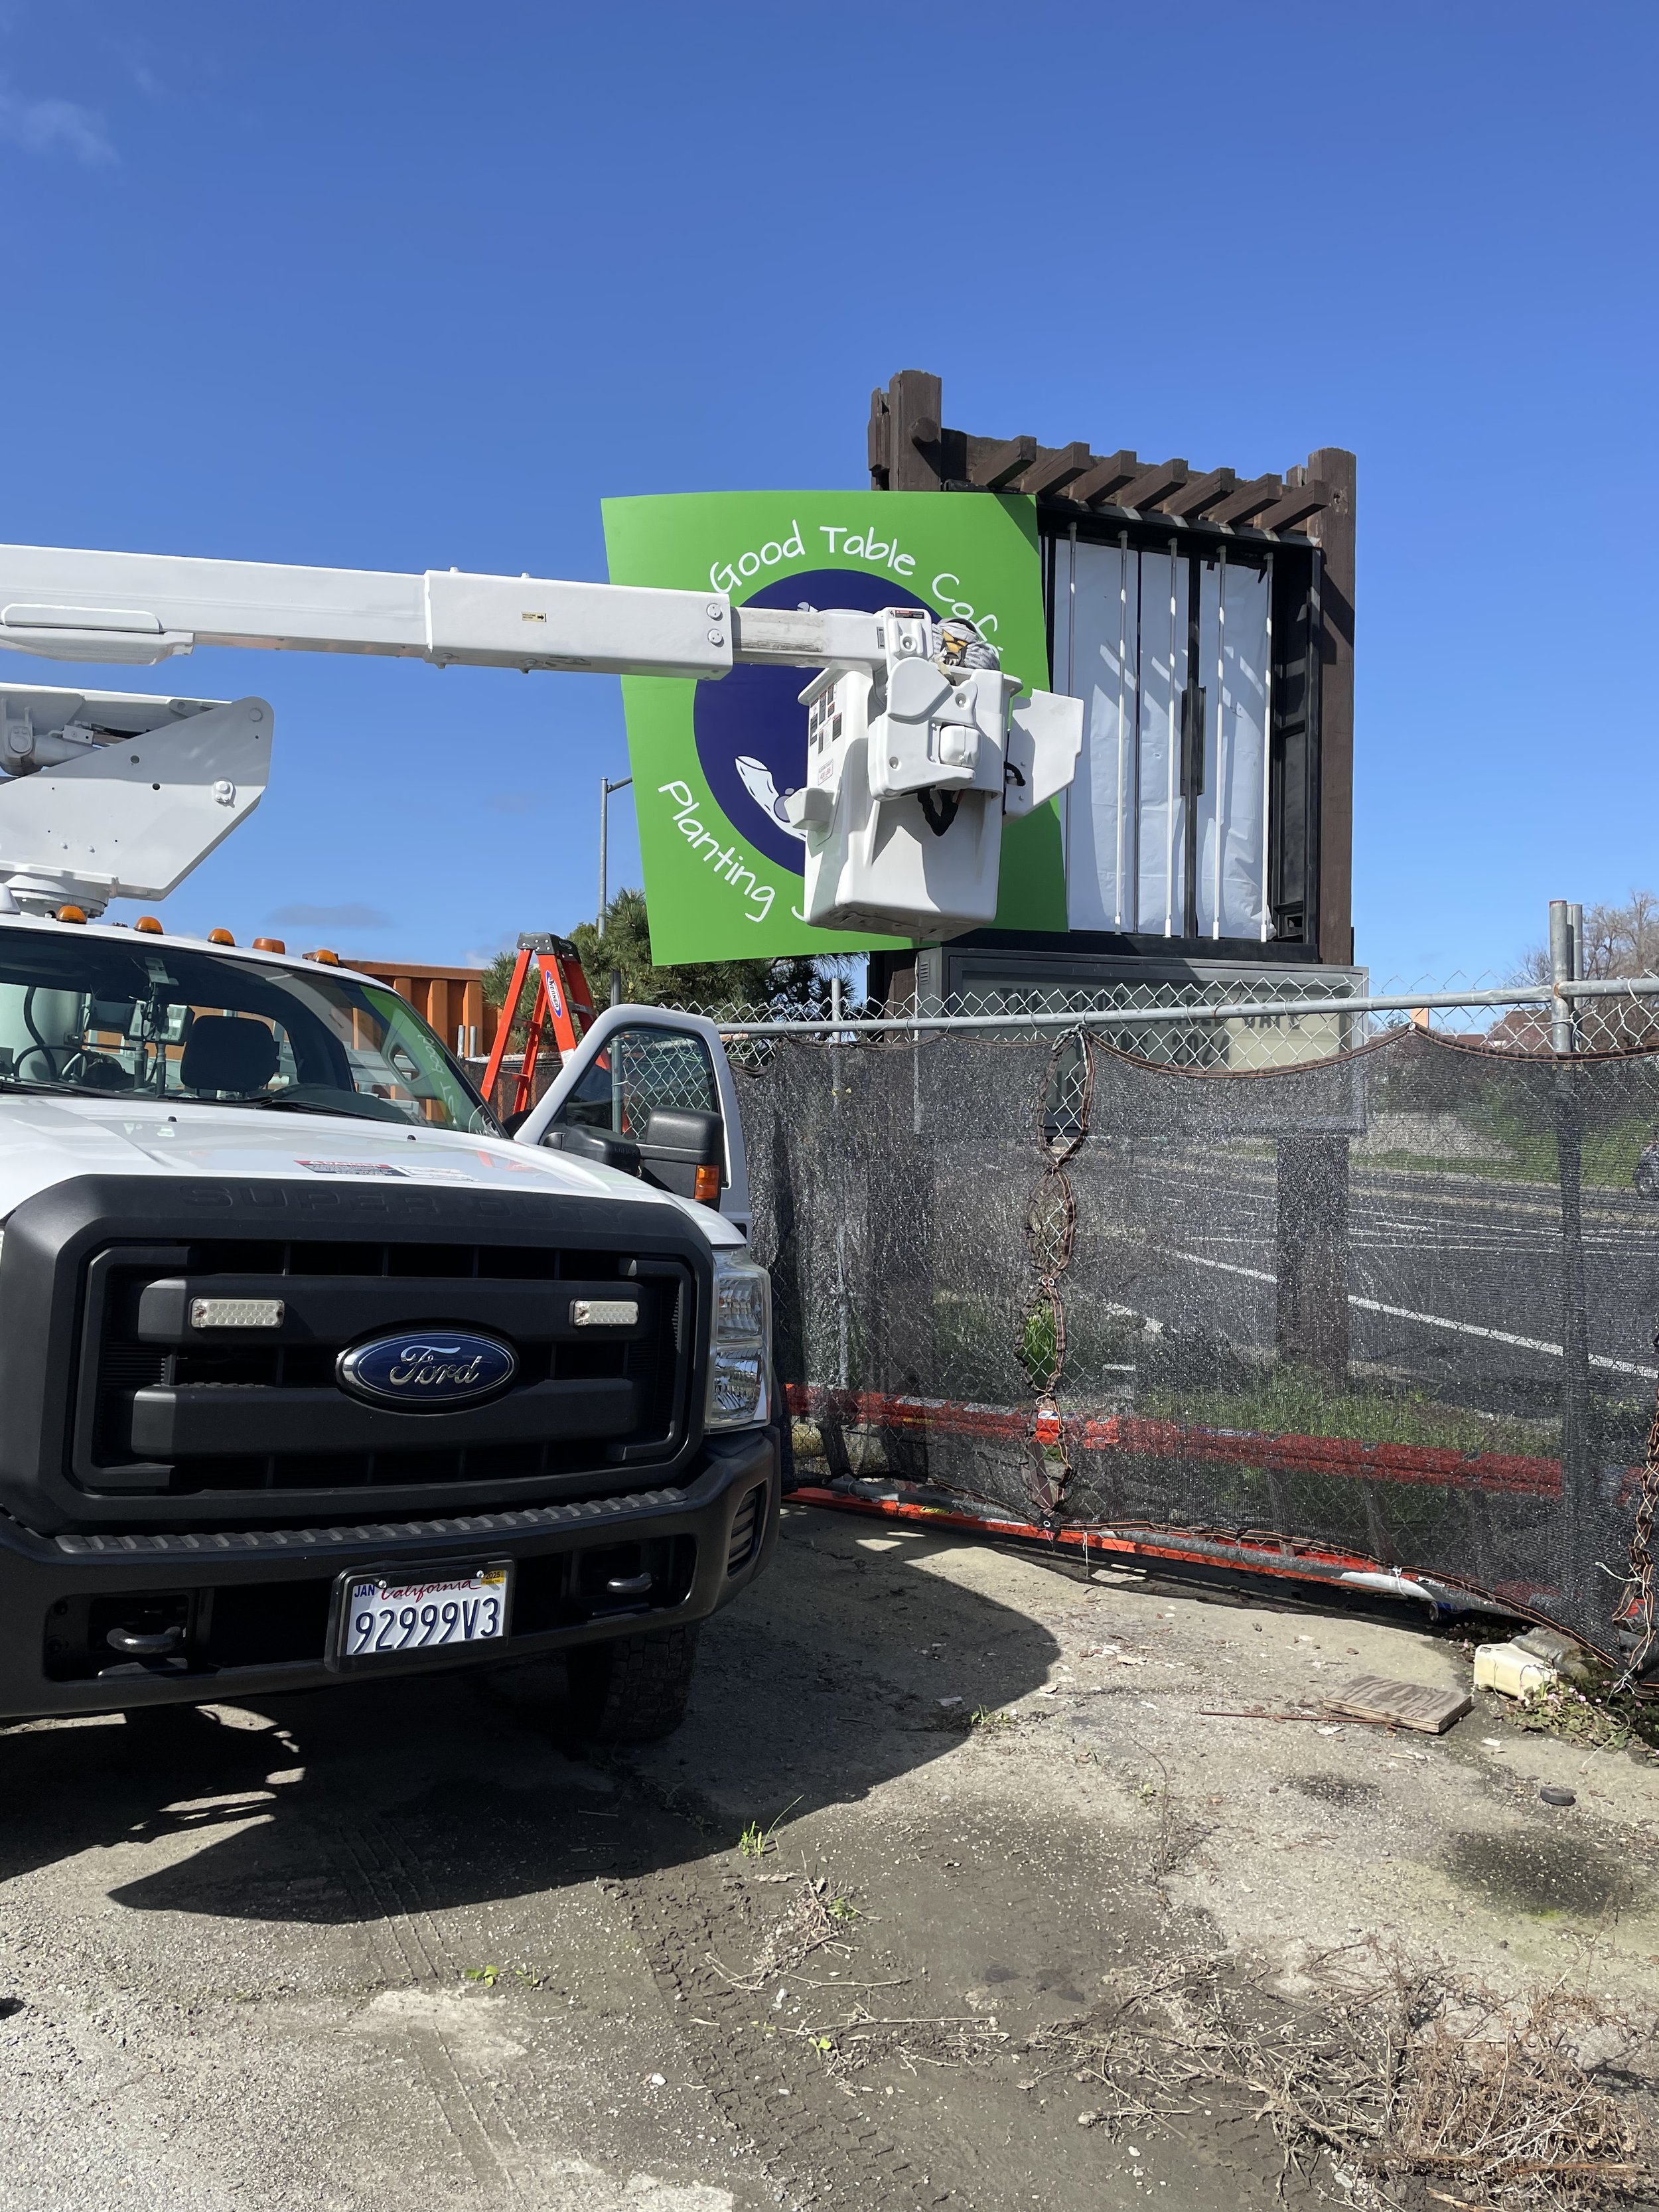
(712,761)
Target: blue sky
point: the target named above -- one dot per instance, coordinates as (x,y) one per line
(409,285)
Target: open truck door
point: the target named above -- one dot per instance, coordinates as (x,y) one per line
(650,1091)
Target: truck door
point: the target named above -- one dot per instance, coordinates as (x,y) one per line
(651,1092)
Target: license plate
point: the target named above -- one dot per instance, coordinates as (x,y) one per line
(382,1616)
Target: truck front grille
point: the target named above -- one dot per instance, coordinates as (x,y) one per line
(243,1411)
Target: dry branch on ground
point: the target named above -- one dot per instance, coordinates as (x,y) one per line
(1383,2073)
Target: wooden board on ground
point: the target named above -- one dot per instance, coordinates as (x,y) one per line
(1410,1705)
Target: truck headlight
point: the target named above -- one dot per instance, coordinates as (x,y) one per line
(741,1353)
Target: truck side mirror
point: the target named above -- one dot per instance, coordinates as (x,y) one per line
(684,1153)
(699,1137)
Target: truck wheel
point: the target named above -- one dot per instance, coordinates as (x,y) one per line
(633,1689)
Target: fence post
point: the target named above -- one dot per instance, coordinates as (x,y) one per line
(843,1287)
(1311,1320)
(1578,1439)
(1565,967)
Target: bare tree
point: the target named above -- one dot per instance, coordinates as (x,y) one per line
(1619,940)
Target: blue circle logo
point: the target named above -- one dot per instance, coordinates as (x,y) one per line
(751,727)
(427,1370)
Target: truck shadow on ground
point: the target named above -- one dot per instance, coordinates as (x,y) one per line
(419,1795)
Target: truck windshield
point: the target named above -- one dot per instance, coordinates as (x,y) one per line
(159,1020)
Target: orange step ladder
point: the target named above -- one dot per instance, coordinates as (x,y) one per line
(562,1000)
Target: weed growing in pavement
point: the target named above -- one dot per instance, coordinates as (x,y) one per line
(1157,1793)
(990,1718)
(1596,1717)
(755,1842)
(490,1975)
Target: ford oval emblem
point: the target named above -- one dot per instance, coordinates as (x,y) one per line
(427,1370)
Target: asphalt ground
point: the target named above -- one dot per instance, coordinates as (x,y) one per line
(392,1947)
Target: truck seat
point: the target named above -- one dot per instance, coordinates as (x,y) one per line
(227,1053)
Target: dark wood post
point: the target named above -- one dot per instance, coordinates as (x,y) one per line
(1333,529)
(1312,1327)
(906,434)
(1313,1316)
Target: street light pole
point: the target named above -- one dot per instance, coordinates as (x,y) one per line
(606,787)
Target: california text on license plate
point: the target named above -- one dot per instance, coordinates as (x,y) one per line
(380,1615)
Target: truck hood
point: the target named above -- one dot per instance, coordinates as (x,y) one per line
(45,1140)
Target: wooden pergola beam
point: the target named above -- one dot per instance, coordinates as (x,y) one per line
(1152,485)
(1300,501)
(998,468)
(1199,493)
(1057,470)
(1248,501)
(1105,479)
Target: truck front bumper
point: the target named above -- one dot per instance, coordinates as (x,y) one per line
(245,1612)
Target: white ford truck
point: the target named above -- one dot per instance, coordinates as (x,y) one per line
(306,1370)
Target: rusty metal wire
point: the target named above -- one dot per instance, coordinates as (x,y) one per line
(1061,1129)
(1638,1609)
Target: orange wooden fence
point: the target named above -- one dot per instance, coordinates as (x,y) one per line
(451,999)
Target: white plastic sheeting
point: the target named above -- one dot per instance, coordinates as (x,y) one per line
(1121,640)
(1232,808)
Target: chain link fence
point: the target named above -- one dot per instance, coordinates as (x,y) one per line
(1370,1278)
(1216,1026)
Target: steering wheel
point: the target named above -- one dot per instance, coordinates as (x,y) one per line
(96,1071)
(100,1071)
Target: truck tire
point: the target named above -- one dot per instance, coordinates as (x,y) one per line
(633,1689)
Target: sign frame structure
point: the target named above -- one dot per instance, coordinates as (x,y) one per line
(711,762)
(1300,523)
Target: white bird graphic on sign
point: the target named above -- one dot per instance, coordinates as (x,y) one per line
(758,783)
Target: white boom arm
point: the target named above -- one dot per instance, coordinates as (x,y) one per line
(960,743)
(142,608)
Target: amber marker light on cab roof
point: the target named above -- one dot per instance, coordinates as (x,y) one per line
(72,913)
(220,937)
(269,944)
(329,959)
(150,925)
